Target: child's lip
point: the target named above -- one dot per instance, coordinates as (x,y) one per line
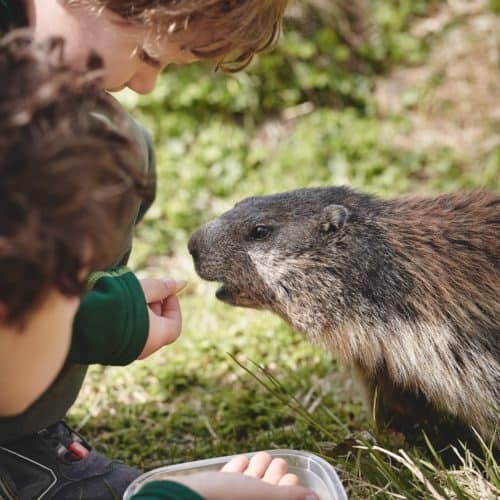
(116,89)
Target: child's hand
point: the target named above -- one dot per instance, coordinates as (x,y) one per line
(260,478)
(263,466)
(164,312)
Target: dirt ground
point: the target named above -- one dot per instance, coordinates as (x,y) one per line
(453,98)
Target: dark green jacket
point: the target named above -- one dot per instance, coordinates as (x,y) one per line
(165,490)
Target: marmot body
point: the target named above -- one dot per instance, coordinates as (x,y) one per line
(407,290)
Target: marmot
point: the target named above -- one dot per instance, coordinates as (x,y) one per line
(405,290)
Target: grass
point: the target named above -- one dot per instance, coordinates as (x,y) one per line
(308,113)
(207,396)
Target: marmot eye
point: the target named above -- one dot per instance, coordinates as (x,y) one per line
(260,232)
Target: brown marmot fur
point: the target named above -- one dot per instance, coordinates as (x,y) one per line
(406,290)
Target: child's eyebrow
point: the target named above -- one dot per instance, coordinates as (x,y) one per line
(147,58)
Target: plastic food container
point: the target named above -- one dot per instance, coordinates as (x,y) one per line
(312,471)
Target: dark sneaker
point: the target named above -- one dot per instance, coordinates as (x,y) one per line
(57,463)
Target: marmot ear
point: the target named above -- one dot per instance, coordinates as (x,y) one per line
(333,218)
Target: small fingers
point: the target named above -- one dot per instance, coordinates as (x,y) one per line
(276,470)
(263,466)
(158,290)
(288,480)
(164,330)
(176,286)
(156,307)
(155,290)
(258,464)
(237,464)
(171,308)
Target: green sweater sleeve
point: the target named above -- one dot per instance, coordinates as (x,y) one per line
(165,490)
(111,326)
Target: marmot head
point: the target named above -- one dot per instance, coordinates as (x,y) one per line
(305,255)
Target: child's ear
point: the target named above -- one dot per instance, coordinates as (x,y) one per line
(333,218)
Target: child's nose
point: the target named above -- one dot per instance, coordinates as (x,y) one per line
(144,82)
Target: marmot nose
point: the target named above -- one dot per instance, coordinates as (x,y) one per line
(193,247)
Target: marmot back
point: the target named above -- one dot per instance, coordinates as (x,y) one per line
(407,290)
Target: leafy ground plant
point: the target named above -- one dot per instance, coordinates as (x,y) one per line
(395,473)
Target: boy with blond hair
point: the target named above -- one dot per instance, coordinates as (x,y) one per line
(121,319)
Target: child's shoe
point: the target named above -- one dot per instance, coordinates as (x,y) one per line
(57,463)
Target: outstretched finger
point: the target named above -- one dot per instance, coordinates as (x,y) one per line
(276,470)
(236,464)
(157,290)
(178,285)
(258,464)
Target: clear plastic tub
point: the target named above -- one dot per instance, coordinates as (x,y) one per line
(313,472)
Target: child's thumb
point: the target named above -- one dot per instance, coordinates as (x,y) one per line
(158,290)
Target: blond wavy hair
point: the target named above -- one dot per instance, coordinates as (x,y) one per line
(238,29)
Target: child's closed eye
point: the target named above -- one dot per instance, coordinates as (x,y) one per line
(148,59)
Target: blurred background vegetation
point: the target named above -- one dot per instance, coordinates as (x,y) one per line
(389,96)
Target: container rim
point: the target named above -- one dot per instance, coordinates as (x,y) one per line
(331,476)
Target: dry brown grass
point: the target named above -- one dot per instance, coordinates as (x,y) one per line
(456,92)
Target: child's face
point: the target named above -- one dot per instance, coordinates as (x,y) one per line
(133,57)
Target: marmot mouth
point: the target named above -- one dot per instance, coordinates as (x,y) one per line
(233,296)
(228,294)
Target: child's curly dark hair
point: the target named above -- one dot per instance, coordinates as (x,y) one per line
(67,173)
